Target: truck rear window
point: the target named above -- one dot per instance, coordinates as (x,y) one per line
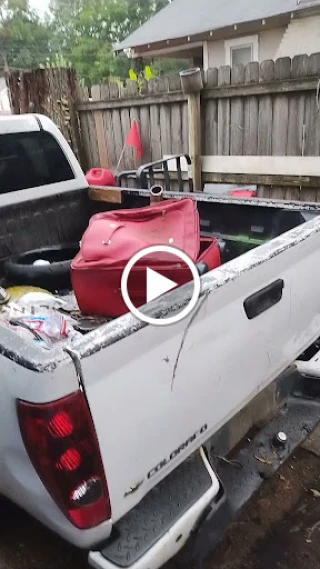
(30,160)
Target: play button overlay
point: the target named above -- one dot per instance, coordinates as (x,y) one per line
(157,284)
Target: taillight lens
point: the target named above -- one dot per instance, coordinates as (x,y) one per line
(63,448)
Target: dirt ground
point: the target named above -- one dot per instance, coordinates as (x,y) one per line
(279,530)
(281,527)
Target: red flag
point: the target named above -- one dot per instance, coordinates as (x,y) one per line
(133,139)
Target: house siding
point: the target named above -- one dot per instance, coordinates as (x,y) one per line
(217,55)
(302,36)
(269,42)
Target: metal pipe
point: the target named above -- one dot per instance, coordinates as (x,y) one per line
(156,194)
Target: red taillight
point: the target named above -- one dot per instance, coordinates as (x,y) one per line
(70,460)
(63,448)
(60,425)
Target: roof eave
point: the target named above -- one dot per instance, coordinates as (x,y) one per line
(211,34)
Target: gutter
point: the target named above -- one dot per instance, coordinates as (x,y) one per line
(304,7)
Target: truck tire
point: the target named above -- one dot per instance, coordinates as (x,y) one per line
(54,276)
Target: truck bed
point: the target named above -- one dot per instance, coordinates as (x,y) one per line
(239,225)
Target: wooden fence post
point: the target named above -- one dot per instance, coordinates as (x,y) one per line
(192,85)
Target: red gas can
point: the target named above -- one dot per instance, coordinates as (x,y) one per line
(100,177)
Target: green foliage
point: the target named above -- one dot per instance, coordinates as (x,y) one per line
(148,73)
(24,39)
(133,76)
(169,66)
(56,61)
(88,30)
(78,33)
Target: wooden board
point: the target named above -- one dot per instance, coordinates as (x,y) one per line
(251,113)
(118,140)
(145,133)
(224,78)
(307,166)
(176,129)
(166,129)
(102,194)
(128,157)
(155,133)
(110,140)
(185,129)
(237,115)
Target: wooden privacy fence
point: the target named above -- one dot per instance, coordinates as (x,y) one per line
(51,92)
(267,109)
(263,109)
(105,119)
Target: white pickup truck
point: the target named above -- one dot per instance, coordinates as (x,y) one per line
(116,443)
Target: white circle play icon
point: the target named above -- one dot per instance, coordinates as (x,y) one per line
(157,284)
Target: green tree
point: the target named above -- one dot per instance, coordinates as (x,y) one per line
(24,39)
(87,30)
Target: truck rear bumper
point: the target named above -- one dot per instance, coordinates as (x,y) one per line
(157,529)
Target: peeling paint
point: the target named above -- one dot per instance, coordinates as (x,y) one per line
(33,358)
(293,205)
(178,299)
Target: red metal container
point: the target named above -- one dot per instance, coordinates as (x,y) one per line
(100,177)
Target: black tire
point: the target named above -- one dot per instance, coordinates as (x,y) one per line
(56,276)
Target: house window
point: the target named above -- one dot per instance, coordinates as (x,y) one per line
(242,50)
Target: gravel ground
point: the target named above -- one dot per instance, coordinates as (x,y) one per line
(279,530)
